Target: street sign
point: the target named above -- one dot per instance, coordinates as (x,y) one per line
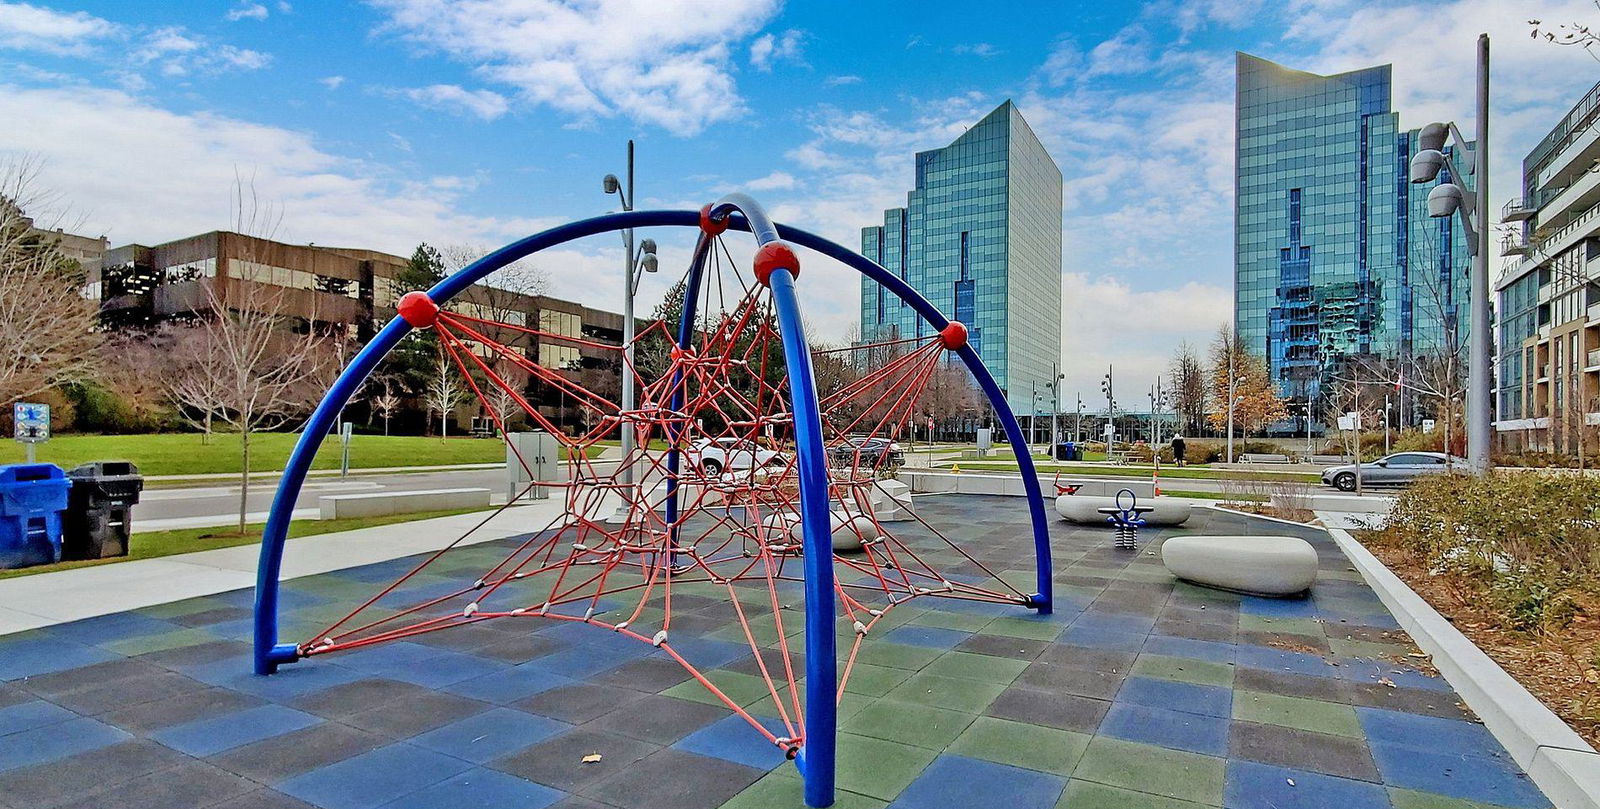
(31,422)
(1110,430)
(1427,425)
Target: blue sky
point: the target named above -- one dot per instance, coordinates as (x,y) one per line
(390,122)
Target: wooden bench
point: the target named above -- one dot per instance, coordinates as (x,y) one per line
(1122,457)
(1262,457)
(1328,460)
(378,504)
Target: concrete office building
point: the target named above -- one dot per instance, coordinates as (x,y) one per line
(980,237)
(1336,261)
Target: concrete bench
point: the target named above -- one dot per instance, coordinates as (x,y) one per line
(1085,509)
(1328,460)
(379,504)
(1257,565)
(1262,457)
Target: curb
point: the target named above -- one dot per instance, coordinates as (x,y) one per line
(1558,760)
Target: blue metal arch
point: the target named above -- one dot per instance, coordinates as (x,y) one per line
(816,760)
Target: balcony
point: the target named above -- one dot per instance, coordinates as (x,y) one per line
(1576,157)
(1517,210)
(1513,244)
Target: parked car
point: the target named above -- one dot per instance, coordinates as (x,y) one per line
(715,456)
(861,451)
(1397,469)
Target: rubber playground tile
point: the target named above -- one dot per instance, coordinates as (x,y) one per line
(1184,669)
(1446,771)
(207,737)
(963,695)
(1263,786)
(558,762)
(1179,730)
(86,774)
(782,787)
(580,702)
(660,719)
(874,681)
(674,779)
(1302,750)
(743,689)
(1089,795)
(1147,768)
(1038,707)
(983,668)
(479,787)
(1295,712)
(37,655)
(878,768)
(282,757)
(48,743)
(908,723)
(1208,700)
(374,778)
(958,782)
(490,735)
(733,739)
(930,636)
(1021,745)
(897,655)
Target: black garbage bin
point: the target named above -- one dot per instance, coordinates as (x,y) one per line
(99,510)
(1068,451)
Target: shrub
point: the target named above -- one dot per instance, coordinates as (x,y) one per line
(1527,543)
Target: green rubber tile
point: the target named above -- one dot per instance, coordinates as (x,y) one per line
(743,689)
(873,681)
(1156,770)
(783,787)
(1184,669)
(1411,799)
(908,723)
(1028,628)
(985,668)
(878,768)
(896,655)
(1292,626)
(1088,795)
(161,642)
(1368,650)
(1296,712)
(956,694)
(763,630)
(1021,745)
(959,621)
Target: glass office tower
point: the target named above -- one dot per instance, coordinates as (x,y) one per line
(1335,257)
(980,237)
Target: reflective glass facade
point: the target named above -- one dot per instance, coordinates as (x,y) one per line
(1335,256)
(980,237)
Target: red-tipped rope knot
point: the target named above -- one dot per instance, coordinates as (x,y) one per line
(710,226)
(418,309)
(954,335)
(771,256)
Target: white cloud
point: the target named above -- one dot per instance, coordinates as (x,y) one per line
(36,28)
(775,181)
(983,50)
(770,48)
(175,51)
(247,11)
(1106,321)
(840,81)
(664,62)
(331,82)
(485,104)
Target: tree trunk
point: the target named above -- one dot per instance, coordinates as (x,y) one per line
(244,475)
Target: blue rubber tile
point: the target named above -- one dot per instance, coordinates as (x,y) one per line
(382,658)
(1165,728)
(1371,671)
(1447,772)
(1102,639)
(509,685)
(1263,786)
(1098,621)
(958,782)
(52,742)
(116,626)
(374,778)
(583,662)
(490,735)
(39,655)
(1211,650)
(32,714)
(979,608)
(1429,733)
(732,739)
(1207,700)
(1280,607)
(208,737)
(442,670)
(928,636)
(478,788)
(1282,660)
(290,682)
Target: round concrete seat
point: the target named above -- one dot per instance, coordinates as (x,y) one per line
(1262,565)
(1085,508)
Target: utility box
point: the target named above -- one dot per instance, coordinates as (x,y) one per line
(531,456)
(99,519)
(985,440)
(32,497)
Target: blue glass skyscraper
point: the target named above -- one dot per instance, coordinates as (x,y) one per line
(1335,257)
(980,236)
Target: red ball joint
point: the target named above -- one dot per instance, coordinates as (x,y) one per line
(418,309)
(773,255)
(709,226)
(954,335)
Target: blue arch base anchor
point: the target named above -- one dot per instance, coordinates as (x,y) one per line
(778,266)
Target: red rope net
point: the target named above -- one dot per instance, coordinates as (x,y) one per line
(613,558)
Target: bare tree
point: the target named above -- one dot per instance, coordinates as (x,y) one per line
(1188,388)
(196,374)
(48,334)
(443,393)
(501,399)
(387,402)
(1571,33)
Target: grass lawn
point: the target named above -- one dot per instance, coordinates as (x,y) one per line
(188,454)
(186,540)
(1137,471)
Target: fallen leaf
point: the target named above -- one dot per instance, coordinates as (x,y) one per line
(1290,780)
(1386,681)
(1592,676)
(591,758)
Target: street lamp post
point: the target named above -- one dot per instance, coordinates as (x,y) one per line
(633,264)
(1473,207)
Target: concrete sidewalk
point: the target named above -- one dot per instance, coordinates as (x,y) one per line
(30,602)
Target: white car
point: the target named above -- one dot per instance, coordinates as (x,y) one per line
(715,456)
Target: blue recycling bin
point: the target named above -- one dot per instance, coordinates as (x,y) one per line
(1069,451)
(32,497)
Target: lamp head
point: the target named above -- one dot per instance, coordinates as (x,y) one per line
(1433,136)
(1426,165)
(647,246)
(1444,200)
(650,262)
(611,184)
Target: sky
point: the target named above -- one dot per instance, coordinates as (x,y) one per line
(385,123)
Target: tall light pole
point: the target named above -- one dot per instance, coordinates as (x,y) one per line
(1111,406)
(1233,344)
(632,265)
(1473,207)
(1055,406)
